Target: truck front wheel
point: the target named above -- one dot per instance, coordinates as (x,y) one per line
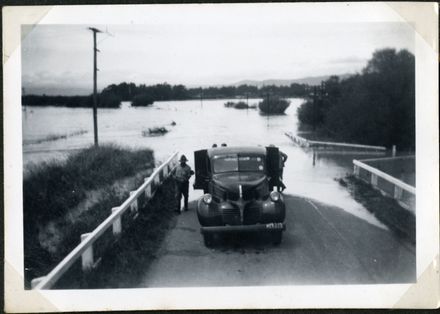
(277,237)
(208,239)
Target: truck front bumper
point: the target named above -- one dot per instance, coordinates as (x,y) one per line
(274,226)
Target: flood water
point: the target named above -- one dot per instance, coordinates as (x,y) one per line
(198,125)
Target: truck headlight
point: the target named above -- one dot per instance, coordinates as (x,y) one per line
(207,198)
(274,196)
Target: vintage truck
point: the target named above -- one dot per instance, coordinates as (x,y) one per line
(238,185)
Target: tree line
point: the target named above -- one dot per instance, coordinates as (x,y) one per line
(144,95)
(375,107)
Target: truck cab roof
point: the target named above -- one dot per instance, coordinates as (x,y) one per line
(243,150)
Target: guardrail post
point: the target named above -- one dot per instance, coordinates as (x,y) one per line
(374,179)
(398,191)
(156,179)
(147,190)
(134,205)
(87,256)
(117,226)
(356,170)
(36,281)
(165,171)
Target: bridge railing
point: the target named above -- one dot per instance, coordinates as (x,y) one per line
(402,192)
(321,145)
(84,250)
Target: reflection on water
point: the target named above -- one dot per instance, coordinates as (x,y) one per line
(198,125)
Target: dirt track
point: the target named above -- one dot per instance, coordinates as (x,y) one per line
(322,245)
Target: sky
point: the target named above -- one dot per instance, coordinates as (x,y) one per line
(212,48)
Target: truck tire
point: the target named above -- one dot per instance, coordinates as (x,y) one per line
(277,237)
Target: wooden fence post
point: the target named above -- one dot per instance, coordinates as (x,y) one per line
(117,226)
(134,205)
(356,170)
(87,256)
(374,179)
(165,172)
(147,191)
(156,179)
(398,192)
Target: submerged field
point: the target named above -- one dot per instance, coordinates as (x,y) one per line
(62,200)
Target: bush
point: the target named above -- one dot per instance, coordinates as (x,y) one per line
(376,107)
(273,105)
(109,100)
(142,100)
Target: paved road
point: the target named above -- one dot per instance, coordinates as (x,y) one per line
(322,245)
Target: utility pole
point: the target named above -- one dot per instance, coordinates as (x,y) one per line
(95,94)
(315,108)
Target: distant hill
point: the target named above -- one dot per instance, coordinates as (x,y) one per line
(312,80)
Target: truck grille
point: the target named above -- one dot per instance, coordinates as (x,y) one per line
(232,196)
(248,195)
(231,216)
(251,214)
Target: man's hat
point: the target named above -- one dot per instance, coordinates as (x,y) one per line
(183,158)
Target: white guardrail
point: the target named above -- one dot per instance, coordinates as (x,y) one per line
(399,186)
(85,249)
(302,142)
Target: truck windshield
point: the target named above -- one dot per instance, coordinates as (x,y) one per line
(235,162)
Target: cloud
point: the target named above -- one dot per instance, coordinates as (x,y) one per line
(350,60)
(202,52)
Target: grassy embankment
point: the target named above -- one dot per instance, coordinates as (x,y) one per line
(138,245)
(387,210)
(62,200)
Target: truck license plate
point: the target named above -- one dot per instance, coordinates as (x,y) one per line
(274,225)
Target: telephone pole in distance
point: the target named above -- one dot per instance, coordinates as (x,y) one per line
(95,94)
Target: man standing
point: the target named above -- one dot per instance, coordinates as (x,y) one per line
(279,181)
(182,175)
